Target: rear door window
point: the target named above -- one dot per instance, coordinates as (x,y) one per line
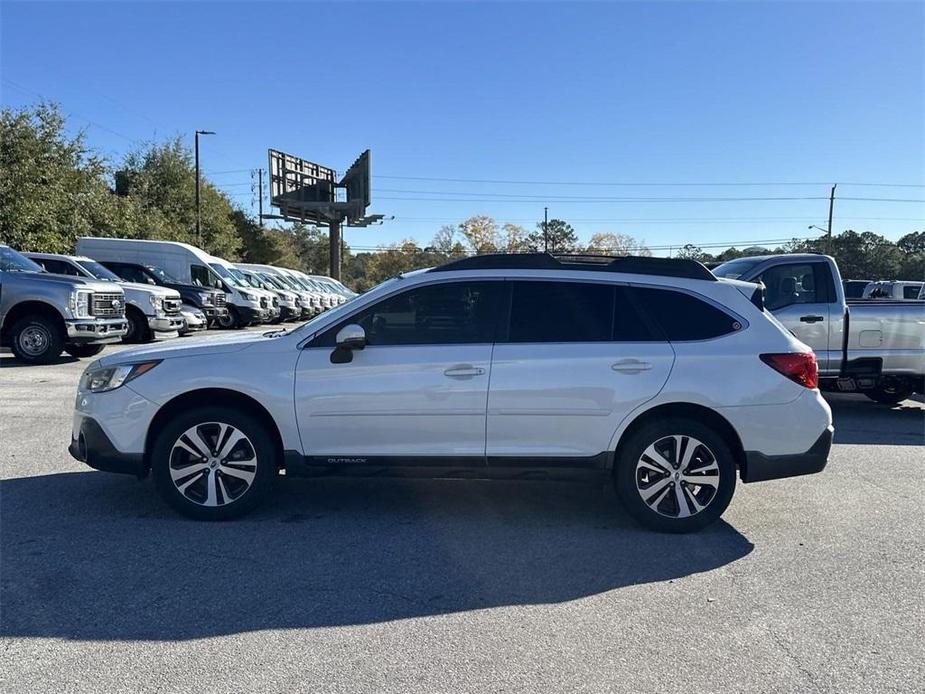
(683,317)
(561,312)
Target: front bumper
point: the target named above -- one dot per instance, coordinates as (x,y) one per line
(90,445)
(760,467)
(213,312)
(166,324)
(287,313)
(101,330)
(253,315)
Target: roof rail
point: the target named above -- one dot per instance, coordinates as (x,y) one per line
(639,265)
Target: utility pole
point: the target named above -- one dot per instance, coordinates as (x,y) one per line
(198,212)
(545,225)
(829,232)
(334,244)
(260,195)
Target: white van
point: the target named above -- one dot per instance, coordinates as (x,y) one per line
(188,264)
(233,277)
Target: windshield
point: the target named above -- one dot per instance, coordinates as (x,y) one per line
(162,274)
(339,310)
(222,272)
(272,281)
(241,278)
(734,269)
(98,271)
(12,261)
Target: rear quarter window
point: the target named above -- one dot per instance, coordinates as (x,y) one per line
(684,317)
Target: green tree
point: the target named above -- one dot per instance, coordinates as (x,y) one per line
(161,180)
(560,234)
(693,252)
(53,188)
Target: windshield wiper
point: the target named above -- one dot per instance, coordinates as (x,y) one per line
(276,333)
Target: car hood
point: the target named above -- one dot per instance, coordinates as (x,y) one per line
(163,292)
(65,280)
(188,347)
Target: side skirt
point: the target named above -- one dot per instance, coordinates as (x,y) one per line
(590,469)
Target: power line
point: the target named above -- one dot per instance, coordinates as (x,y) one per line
(10,83)
(644,184)
(560,200)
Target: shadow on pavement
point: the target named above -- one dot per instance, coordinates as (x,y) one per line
(96,556)
(8,361)
(858,420)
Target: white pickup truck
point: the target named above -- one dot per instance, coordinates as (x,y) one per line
(873,347)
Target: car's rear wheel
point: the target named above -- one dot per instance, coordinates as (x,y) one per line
(214,463)
(891,391)
(675,475)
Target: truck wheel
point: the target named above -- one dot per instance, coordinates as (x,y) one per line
(890,391)
(229,320)
(36,340)
(214,463)
(83,351)
(138,330)
(675,475)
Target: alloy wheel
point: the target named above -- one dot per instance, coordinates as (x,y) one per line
(213,464)
(677,476)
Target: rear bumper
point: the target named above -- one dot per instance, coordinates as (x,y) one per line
(96,330)
(760,467)
(90,445)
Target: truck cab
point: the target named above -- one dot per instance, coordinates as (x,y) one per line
(874,347)
(42,314)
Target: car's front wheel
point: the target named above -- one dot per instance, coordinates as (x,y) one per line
(214,463)
(675,475)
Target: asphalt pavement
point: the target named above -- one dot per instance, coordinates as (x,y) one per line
(812,584)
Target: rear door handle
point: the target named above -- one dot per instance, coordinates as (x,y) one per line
(463,371)
(811,319)
(631,366)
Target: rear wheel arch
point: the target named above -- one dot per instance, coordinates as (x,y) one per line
(686,410)
(207,397)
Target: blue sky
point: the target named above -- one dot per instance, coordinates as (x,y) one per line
(546,94)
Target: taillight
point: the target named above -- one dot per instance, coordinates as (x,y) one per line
(799,367)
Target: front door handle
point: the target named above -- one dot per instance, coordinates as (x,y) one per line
(811,319)
(631,366)
(463,371)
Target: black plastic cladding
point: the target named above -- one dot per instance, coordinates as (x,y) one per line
(666,267)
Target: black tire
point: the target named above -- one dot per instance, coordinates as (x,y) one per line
(890,391)
(83,351)
(231,321)
(165,458)
(36,340)
(631,483)
(138,330)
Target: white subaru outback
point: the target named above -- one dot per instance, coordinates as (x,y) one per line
(647,370)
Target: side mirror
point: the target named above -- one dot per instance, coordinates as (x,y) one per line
(349,338)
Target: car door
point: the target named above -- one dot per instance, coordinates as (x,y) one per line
(576,359)
(417,393)
(797,294)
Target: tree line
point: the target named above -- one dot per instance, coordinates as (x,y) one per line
(54,188)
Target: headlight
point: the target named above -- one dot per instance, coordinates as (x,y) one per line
(79,303)
(157,302)
(248,297)
(205,298)
(100,380)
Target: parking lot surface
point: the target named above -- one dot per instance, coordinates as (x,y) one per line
(811,584)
